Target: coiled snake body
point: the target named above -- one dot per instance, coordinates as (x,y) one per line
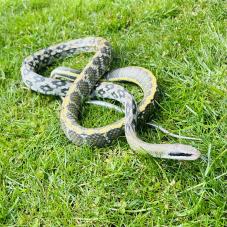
(79,90)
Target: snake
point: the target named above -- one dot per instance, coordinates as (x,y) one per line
(79,89)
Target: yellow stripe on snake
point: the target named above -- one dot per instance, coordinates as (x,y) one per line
(77,91)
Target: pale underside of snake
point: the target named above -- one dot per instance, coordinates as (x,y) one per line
(79,90)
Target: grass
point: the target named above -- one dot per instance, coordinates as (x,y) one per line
(46,180)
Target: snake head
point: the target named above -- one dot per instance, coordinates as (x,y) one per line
(181,152)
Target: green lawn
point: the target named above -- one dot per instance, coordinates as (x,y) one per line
(46,180)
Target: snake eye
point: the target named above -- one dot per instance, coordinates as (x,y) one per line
(179,154)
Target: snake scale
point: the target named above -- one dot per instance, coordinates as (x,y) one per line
(78,90)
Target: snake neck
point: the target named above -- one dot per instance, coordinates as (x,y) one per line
(168,151)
